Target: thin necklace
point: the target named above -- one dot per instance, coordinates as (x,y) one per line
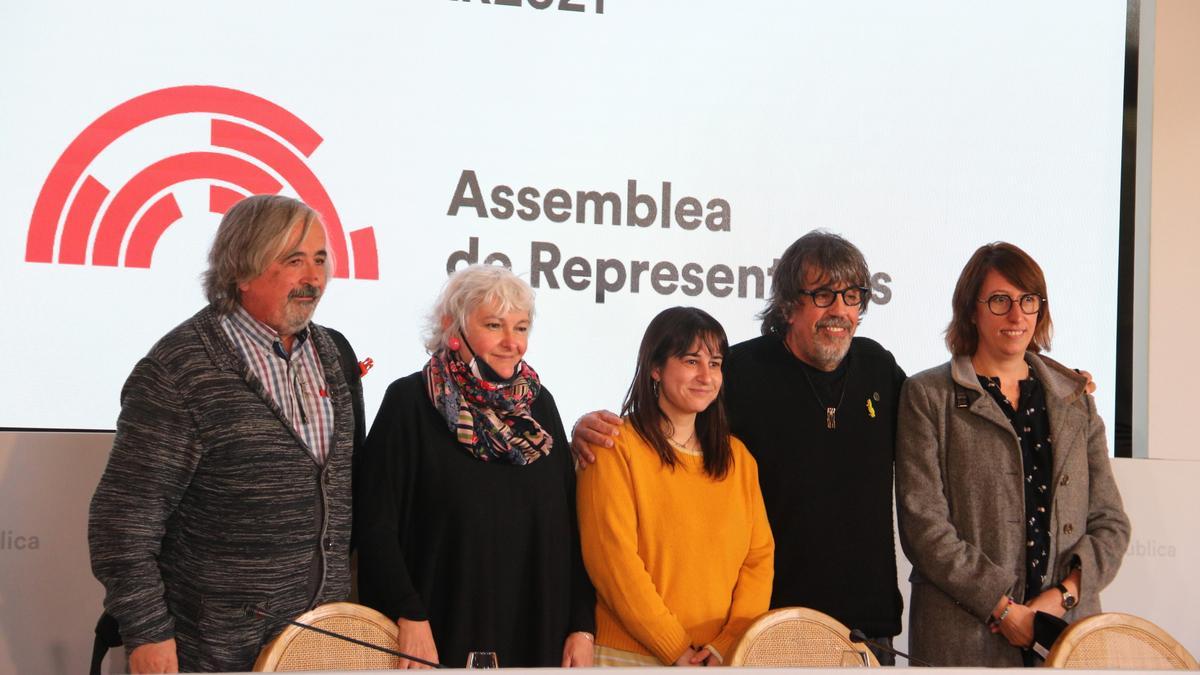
(830,413)
(682,446)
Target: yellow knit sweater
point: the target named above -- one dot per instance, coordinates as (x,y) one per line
(677,558)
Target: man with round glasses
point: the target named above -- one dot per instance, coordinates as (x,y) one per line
(816,407)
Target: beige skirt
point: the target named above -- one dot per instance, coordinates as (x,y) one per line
(607,657)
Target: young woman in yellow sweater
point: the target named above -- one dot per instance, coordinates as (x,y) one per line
(674,532)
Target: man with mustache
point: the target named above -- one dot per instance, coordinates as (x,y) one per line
(228,486)
(816,407)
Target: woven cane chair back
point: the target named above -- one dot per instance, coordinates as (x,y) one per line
(299,649)
(796,637)
(1114,640)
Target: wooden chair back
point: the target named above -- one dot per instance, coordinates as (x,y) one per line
(796,637)
(299,649)
(1114,640)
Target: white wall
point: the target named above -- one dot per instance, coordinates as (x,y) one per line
(1174,233)
(1157,580)
(49,601)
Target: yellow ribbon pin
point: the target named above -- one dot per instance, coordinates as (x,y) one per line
(870,409)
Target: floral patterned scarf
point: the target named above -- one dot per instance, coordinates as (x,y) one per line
(492,422)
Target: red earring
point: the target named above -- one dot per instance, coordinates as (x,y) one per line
(454,344)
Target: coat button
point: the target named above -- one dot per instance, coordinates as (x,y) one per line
(1068,528)
(1066,479)
(328,543)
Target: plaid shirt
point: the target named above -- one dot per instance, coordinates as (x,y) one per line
(295,381)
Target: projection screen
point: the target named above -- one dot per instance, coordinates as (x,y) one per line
(624,156)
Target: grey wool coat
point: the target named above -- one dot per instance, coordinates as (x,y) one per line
(211,505)
(961,507)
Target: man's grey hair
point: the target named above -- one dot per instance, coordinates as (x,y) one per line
(251,235)
(469,288)
(835,260)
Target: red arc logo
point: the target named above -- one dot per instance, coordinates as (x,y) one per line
(112,226)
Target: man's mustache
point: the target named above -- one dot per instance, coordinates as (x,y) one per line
(835,322)
(305,291)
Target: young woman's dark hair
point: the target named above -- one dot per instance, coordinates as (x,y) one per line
(674,332)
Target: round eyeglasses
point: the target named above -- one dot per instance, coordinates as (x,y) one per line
(854,296)
(1001,304)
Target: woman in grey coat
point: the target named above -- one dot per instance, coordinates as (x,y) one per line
(1006,500)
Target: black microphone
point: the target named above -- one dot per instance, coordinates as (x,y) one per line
(857,636)
(259,612)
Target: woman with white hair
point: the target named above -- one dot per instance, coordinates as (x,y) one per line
(465,496)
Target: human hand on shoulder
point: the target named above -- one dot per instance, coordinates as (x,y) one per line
(597,429)
(1090,385)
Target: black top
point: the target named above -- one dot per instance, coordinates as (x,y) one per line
(1031,423)
(828,492)
(488,552)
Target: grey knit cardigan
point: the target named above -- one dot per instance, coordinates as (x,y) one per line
(211,505)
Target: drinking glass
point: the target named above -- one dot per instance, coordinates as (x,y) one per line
(482,660)
(852,658)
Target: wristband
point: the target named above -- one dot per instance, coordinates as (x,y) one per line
(996,620)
